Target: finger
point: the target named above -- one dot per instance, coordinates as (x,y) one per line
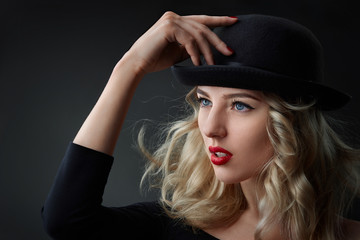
(204,47)
(177,51)
(219,44)
(194,32)
(215,41)
(194,53)
(170,25)
(189,42)
(213,21)
(205,38)
(207,53)
(201,23)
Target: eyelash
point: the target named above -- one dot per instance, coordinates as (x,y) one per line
(200,99)
(247,107)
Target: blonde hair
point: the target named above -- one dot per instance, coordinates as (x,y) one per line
(304,186)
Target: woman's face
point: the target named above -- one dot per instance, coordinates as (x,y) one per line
(233,125)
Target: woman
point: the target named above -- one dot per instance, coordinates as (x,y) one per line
(255,158)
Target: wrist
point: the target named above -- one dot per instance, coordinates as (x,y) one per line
(129,64)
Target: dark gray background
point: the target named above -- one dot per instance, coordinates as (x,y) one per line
(56,56)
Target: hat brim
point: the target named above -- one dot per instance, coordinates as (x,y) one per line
(252,78)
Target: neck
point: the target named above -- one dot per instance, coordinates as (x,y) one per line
(246,224)
(248,187)
(252,211)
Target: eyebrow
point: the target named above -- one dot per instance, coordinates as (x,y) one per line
(232,95)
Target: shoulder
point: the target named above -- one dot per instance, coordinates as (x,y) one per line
(351,229)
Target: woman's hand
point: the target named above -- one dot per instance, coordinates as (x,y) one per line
(170,40)
(174,38)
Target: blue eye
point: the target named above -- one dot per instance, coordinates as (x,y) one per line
(204,102)
(239,106)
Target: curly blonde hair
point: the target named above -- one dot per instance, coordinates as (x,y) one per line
(304,188)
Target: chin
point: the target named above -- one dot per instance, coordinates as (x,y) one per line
(228,177)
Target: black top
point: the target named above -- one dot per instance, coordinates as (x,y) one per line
(73,208)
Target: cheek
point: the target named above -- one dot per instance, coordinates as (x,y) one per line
(253,139)
(201,124)
(254,148)
(200,121)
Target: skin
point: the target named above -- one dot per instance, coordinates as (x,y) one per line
(172,39)
(235,119)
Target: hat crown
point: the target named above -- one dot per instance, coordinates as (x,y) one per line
(271,54)
(273,44)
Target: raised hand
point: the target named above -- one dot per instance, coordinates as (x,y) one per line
(171,39)
(174,38)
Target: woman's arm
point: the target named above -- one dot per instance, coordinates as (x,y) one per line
(102,127)
(171,39)
(73,207)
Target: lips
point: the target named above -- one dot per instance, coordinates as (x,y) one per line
(219,156)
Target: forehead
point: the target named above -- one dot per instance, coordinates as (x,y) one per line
(225,91)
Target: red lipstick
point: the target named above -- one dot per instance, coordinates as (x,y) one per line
(219,156)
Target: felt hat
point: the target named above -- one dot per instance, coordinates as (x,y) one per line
(271,54)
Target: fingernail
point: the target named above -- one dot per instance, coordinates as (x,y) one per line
(233,17)
(230,49)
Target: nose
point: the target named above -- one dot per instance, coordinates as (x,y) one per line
(214,124)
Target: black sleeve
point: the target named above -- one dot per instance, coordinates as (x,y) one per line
(73,207)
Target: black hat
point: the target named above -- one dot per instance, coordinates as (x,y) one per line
(271,54)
